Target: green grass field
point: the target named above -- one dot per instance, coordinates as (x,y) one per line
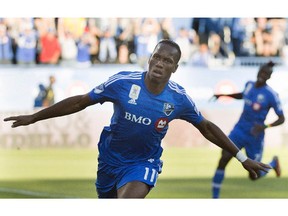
(187,173)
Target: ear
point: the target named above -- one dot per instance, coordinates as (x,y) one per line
(176,66)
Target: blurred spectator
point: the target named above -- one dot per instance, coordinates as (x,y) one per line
(278,30)
(167,30)
(183,40)
(219,38)
(95,34)
(14,29)
(49,97)
(178,23)
(214,44)
(238,36)
(42,24)
(204,27)
(74,25)
(6,53)
(215,32)
(124,40)
(38,101)
(107,47)
(146,37)
(84,46)
(49,48)
(226,47)
(68,49)
(202,57)
(262,38)
(250,26)
(26,45)
(68,45)
(131,40)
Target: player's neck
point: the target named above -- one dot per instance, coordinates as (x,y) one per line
(259,85)
(154,87)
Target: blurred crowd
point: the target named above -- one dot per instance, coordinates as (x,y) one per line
(88,41)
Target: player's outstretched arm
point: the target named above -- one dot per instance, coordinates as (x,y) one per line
(215,135)
(65,107)
(234,95)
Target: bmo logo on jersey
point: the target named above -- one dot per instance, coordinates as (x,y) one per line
(161,123)
(137,119)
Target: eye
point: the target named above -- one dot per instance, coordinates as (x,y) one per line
(168,61)
(156,57)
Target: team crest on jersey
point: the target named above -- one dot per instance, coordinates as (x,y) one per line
(168,108)
(134,94)
(260,98)
(99,89)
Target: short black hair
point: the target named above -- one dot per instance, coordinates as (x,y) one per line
(172,43)
(268,66)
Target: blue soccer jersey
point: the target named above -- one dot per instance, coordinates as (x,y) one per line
(140,119)
(258,102)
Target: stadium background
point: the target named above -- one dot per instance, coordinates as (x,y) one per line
(19,87)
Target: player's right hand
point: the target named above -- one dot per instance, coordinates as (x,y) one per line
(21,120)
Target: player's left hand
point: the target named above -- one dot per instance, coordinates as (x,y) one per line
(253,167)
(258,128)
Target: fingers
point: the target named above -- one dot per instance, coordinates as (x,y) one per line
(265,167)
(261,166)
(15,124)
(255,167)
(253,174)
(21,120)
(16,120)
(11,118)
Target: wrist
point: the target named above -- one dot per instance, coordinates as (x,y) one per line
(241,157)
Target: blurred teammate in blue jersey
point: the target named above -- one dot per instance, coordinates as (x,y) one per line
(144,103)
(249,131)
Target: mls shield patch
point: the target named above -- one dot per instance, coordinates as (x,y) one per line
(134,94)
(168,108)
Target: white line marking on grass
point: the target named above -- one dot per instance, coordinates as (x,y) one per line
(32,193)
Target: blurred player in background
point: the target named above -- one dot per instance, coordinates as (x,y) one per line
(45,96)
(144,103)
(50,96)
(249,131)
(38,101)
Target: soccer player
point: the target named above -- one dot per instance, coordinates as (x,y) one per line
(249,131)
(144,104)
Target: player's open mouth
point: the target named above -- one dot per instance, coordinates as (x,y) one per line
(157,73)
